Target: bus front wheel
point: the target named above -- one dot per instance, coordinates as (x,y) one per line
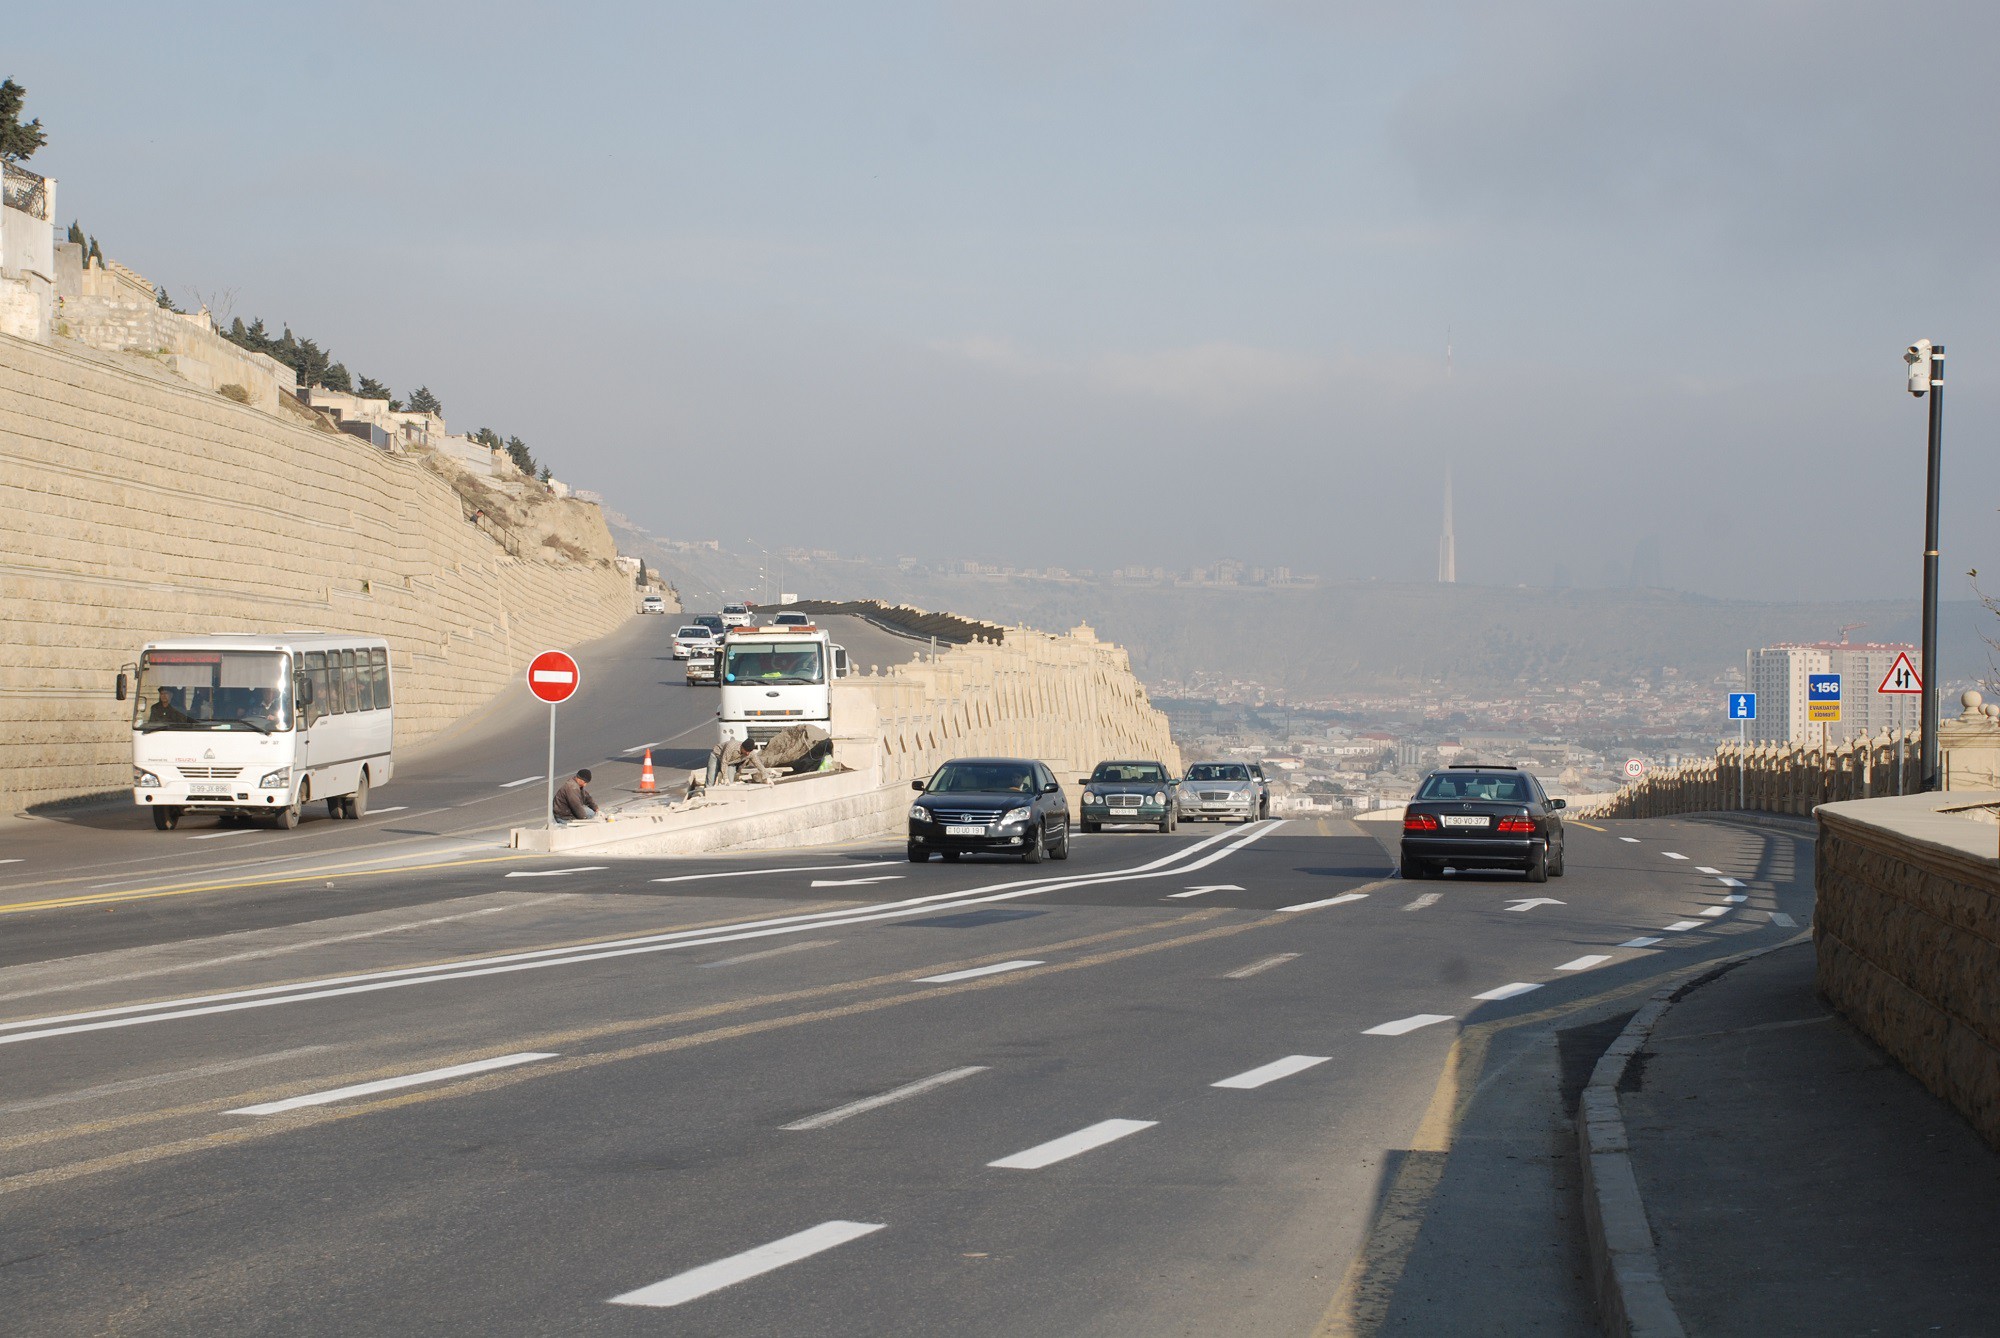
(288,816)
(166,818)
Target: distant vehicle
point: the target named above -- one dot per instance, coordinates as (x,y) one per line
(690,636)
(990,805)
(1263,789)
(1222,792)
(1129,792)
(736,615)
(701,666)
(1482,817)
(777,677)
(791,620)
(713,624)
(248,726)
(653,604)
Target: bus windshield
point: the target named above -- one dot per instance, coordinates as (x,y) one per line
(213,689)
(773,663)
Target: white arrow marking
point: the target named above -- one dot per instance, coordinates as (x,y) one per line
(855,882)
(1529,903)
(1197,891)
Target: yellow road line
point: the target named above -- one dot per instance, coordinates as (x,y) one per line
(1579,822)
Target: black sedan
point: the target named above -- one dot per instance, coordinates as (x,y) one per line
(991,805)
(1479,817)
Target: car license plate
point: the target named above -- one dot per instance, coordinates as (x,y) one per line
(965,831)
(1465,820)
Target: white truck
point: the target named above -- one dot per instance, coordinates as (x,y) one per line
(775,677)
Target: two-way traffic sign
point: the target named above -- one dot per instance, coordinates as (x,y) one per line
(1902,678)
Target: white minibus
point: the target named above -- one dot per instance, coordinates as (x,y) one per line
(258,726)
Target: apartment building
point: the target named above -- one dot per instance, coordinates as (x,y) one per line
(1779,674)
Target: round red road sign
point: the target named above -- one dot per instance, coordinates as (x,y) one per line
(553,676)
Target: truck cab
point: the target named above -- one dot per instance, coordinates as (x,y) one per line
(775,677)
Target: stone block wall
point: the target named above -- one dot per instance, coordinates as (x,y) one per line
(135,506)
(1908,932)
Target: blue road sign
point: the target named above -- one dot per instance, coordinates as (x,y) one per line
(1822,687)
(1742,706)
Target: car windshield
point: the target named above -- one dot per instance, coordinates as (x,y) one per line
(694,633)
(1218,771)
(1135,773)
(212,689)
(982,778)
(1474,785)
(769,662)
(734,609)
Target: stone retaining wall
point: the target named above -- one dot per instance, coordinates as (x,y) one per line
(135,506)
(1908,932)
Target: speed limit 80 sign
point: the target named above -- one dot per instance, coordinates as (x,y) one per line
(554,677)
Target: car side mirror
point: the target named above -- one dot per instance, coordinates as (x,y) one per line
(305,691)
(916,785)
(1053,787)
(1558,803)
(121,687)
(1083,780)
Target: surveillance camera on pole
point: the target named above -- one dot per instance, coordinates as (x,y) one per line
(1926,361)
(1919,358)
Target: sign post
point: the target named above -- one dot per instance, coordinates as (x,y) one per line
(1823,702)
(554,678)
(1902,680)
(1742,709)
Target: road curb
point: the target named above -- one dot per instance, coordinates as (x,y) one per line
(1632,1300)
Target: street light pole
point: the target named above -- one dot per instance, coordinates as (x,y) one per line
(1933,355)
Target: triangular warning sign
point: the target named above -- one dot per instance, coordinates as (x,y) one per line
(1902,677)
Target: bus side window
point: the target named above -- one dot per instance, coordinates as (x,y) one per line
(315,667)
(378,673)
(350,682)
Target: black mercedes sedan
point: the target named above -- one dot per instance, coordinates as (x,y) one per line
(990,805)
(1482,817)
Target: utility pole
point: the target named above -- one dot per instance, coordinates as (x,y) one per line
(1927,375)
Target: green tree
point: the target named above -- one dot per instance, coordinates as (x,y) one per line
(490,439)
(545,474)
(422,401)
(336,378)
(94,252)
(76,233)
(18,139)
(517,451)
(160,295)
(371,389)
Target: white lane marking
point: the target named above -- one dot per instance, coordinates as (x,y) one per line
(1641,942)
(393,808)
(698,1282)
(1783,920)
(1736,897)
(1342,899)
(393,1084)
(1730,882)
(1203,891)
(557,873)
(157,1080)
(1514,990)
(881,1099)
(1271,1072)
(217,836)
(1679,926)
(1630,840)
(472,968)
(1427,899)
(1703,868)
(1673,854)
(1585,963)
(974,972)
(751,873)
(856,882)
(1529,903)
(640,748)
(1404,1025)
(525,780)
(1714,911)
(10,861)
(742,957)
(1070,1145)
(1262,964)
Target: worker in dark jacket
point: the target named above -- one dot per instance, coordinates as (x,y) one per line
(573,801)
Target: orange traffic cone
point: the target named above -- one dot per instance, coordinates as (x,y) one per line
(647,785)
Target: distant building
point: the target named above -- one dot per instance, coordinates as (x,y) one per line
(1448,541)
(1779,674)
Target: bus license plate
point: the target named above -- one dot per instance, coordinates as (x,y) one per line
(965,831)
(1463,820)
(210,791)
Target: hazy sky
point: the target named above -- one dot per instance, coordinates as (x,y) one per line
(1089,282)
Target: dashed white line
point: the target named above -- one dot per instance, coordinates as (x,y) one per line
(750,873)
(9,861)
(1427,899)
(393,808)
(876,1102)
(157,1080)
(1330,901)
(1271,1072)
(1514,990)
(1783,920)
(698,1282)
(1585,963)
(1729,882)
(1071,1145)
(217,836)
(742,957)
(393,1084)
(1262,964)
(1630,840)
(1404,1025)
(1680,926)
(525,780)
(1714,911)
(1641,942)
(1673,854)
(1703,868)
(557,873)
(972,972)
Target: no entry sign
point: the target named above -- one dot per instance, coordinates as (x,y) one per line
(553,676)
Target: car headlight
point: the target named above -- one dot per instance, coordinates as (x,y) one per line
(918,813)
(1014,815)
(142,777)
(1159,796)
(280,779)
(1089,798)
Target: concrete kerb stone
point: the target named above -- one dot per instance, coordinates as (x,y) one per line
(1632,1300)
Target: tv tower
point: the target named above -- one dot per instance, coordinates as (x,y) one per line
(1447,542)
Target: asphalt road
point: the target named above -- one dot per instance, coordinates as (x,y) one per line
(1226,1081)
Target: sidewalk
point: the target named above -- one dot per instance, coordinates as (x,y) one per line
(1796,1180)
